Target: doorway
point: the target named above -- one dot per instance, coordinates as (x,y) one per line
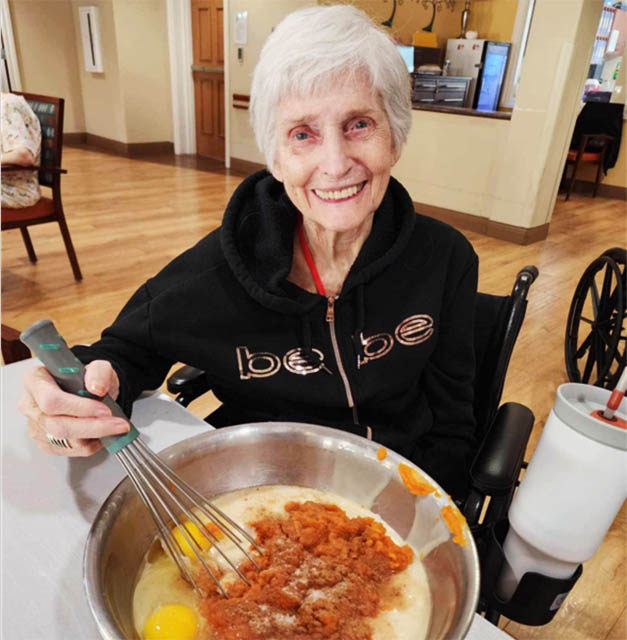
(208,75)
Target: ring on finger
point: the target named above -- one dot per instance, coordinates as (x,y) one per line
(58,442)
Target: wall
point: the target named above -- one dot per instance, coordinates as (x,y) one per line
(262,17)
(130,102)
(497,20)
(559,52)
(103,99)
(48,58)
(447,161)
(410,17)
(491,19)
(144,71)
(504,171)
(509,171)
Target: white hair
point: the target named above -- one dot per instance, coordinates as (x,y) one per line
(312,47)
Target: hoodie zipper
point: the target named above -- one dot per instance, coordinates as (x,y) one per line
(330,318)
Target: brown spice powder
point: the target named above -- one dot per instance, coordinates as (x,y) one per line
(322,576)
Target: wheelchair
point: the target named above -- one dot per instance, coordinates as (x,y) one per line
(596,330)
(503,433)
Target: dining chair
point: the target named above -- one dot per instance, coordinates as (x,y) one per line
(592,150)
(13,350)
(596,140)
(49,110)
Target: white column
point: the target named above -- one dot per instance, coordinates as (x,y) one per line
(527,167)
(181,59)
(9,47)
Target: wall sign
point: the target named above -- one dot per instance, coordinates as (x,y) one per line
(90,35)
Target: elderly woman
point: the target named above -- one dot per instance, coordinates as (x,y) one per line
(21,145)
(323,297)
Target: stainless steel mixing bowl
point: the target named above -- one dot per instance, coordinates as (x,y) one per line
(290,454)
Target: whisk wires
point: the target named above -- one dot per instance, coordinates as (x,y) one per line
(167,496)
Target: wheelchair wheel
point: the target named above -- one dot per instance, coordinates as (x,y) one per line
(595,332)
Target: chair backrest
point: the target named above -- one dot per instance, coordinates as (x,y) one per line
(498,320)
(49,110)
(13,350)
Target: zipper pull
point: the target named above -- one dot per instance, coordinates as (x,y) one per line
(330,309)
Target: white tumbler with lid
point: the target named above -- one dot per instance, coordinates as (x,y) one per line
(574,486)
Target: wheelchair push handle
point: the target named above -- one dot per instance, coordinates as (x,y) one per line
(48,345)
(524,279)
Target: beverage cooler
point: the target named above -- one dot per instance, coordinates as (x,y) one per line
(485,62)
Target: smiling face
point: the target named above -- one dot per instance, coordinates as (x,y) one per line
(334,155)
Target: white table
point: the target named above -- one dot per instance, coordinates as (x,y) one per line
(48,505)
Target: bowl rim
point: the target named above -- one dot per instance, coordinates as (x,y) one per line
(96,537)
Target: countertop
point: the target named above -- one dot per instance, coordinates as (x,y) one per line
(464,111)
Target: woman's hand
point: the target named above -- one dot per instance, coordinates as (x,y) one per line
(80,421)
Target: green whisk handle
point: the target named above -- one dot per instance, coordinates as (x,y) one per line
(48,345)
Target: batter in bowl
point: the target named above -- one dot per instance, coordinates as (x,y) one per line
(331,570)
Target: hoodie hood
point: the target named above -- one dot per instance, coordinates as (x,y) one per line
(257,237)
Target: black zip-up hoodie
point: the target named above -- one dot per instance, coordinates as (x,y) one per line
(401,328)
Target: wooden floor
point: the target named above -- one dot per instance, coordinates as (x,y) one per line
(128,217)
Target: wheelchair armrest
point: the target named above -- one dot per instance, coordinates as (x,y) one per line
(187,383)
(495,469)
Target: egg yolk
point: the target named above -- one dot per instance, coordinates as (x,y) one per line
(171,622)
(194,532)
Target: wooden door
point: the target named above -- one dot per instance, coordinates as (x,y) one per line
(208,72)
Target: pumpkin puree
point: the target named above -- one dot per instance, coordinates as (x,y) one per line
(414,482)
(322,576)
(455,522)
(419,487)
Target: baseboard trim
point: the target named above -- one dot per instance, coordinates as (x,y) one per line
(127,149)
(499,230)
(456,219)
(517,235)
(586,187)
(150,148)
(73,139)
(245,167)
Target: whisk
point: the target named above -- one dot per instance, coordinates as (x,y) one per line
(164,492)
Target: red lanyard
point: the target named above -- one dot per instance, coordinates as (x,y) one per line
(309,259)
